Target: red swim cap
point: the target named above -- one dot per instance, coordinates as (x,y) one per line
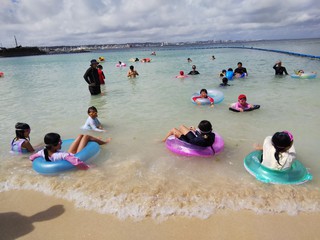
(242,96)
(181,73)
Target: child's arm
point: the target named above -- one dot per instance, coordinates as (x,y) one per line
(257,146)
(95,125)
(211,101)
(26,144)
(76,162)
(34,156)
(236,106)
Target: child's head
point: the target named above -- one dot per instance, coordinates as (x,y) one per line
(225,80)
(131,68)
(224,71)
(281,141)
(194,67)
(230,69)
(203,93)
(100,66)
(181,73)
(205,128)
(52,140)
(52,143)
(22,130)
(92,112)
(242,99)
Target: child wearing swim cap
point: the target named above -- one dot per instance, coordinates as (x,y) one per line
(278,151)
(242,104)
(202,136)
(181,75)
(93,122)
(52,151)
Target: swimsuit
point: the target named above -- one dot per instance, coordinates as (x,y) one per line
(16,146)
(196,138)
(92,124)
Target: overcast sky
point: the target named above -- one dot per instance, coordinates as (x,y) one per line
(77,22)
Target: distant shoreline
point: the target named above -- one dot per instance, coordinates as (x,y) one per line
(152,45)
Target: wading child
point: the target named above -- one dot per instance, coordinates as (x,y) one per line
(93,122)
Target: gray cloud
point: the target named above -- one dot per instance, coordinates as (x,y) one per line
(63,22)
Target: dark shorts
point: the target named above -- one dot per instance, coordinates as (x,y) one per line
(95,90)
(186,138)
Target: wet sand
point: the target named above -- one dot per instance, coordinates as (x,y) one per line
(33,215)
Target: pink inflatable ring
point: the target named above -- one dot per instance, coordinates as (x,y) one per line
(186,149)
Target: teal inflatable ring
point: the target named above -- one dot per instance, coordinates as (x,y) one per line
(297,174)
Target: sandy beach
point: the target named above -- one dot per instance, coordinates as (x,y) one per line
(33,215)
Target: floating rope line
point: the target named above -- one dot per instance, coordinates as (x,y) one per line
(278,51)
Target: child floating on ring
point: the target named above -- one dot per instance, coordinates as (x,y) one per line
(203,96)
(203,136)
(52,151)
(242,105)
(278,151)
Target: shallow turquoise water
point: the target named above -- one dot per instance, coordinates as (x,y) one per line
(135,175)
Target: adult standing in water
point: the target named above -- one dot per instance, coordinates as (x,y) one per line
(240,70)
(92,78)
(279,69)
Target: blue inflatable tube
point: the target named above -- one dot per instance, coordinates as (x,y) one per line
(42,166)
(229,75)
(297,174)
(217,95)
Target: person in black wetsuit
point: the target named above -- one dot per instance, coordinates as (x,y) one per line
(279,69)
(193,71)
(92,78)
(240,70)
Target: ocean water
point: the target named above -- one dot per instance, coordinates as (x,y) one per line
(135,175)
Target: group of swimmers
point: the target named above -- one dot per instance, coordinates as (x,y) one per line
(239,72)
(278,150)
(51,151)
